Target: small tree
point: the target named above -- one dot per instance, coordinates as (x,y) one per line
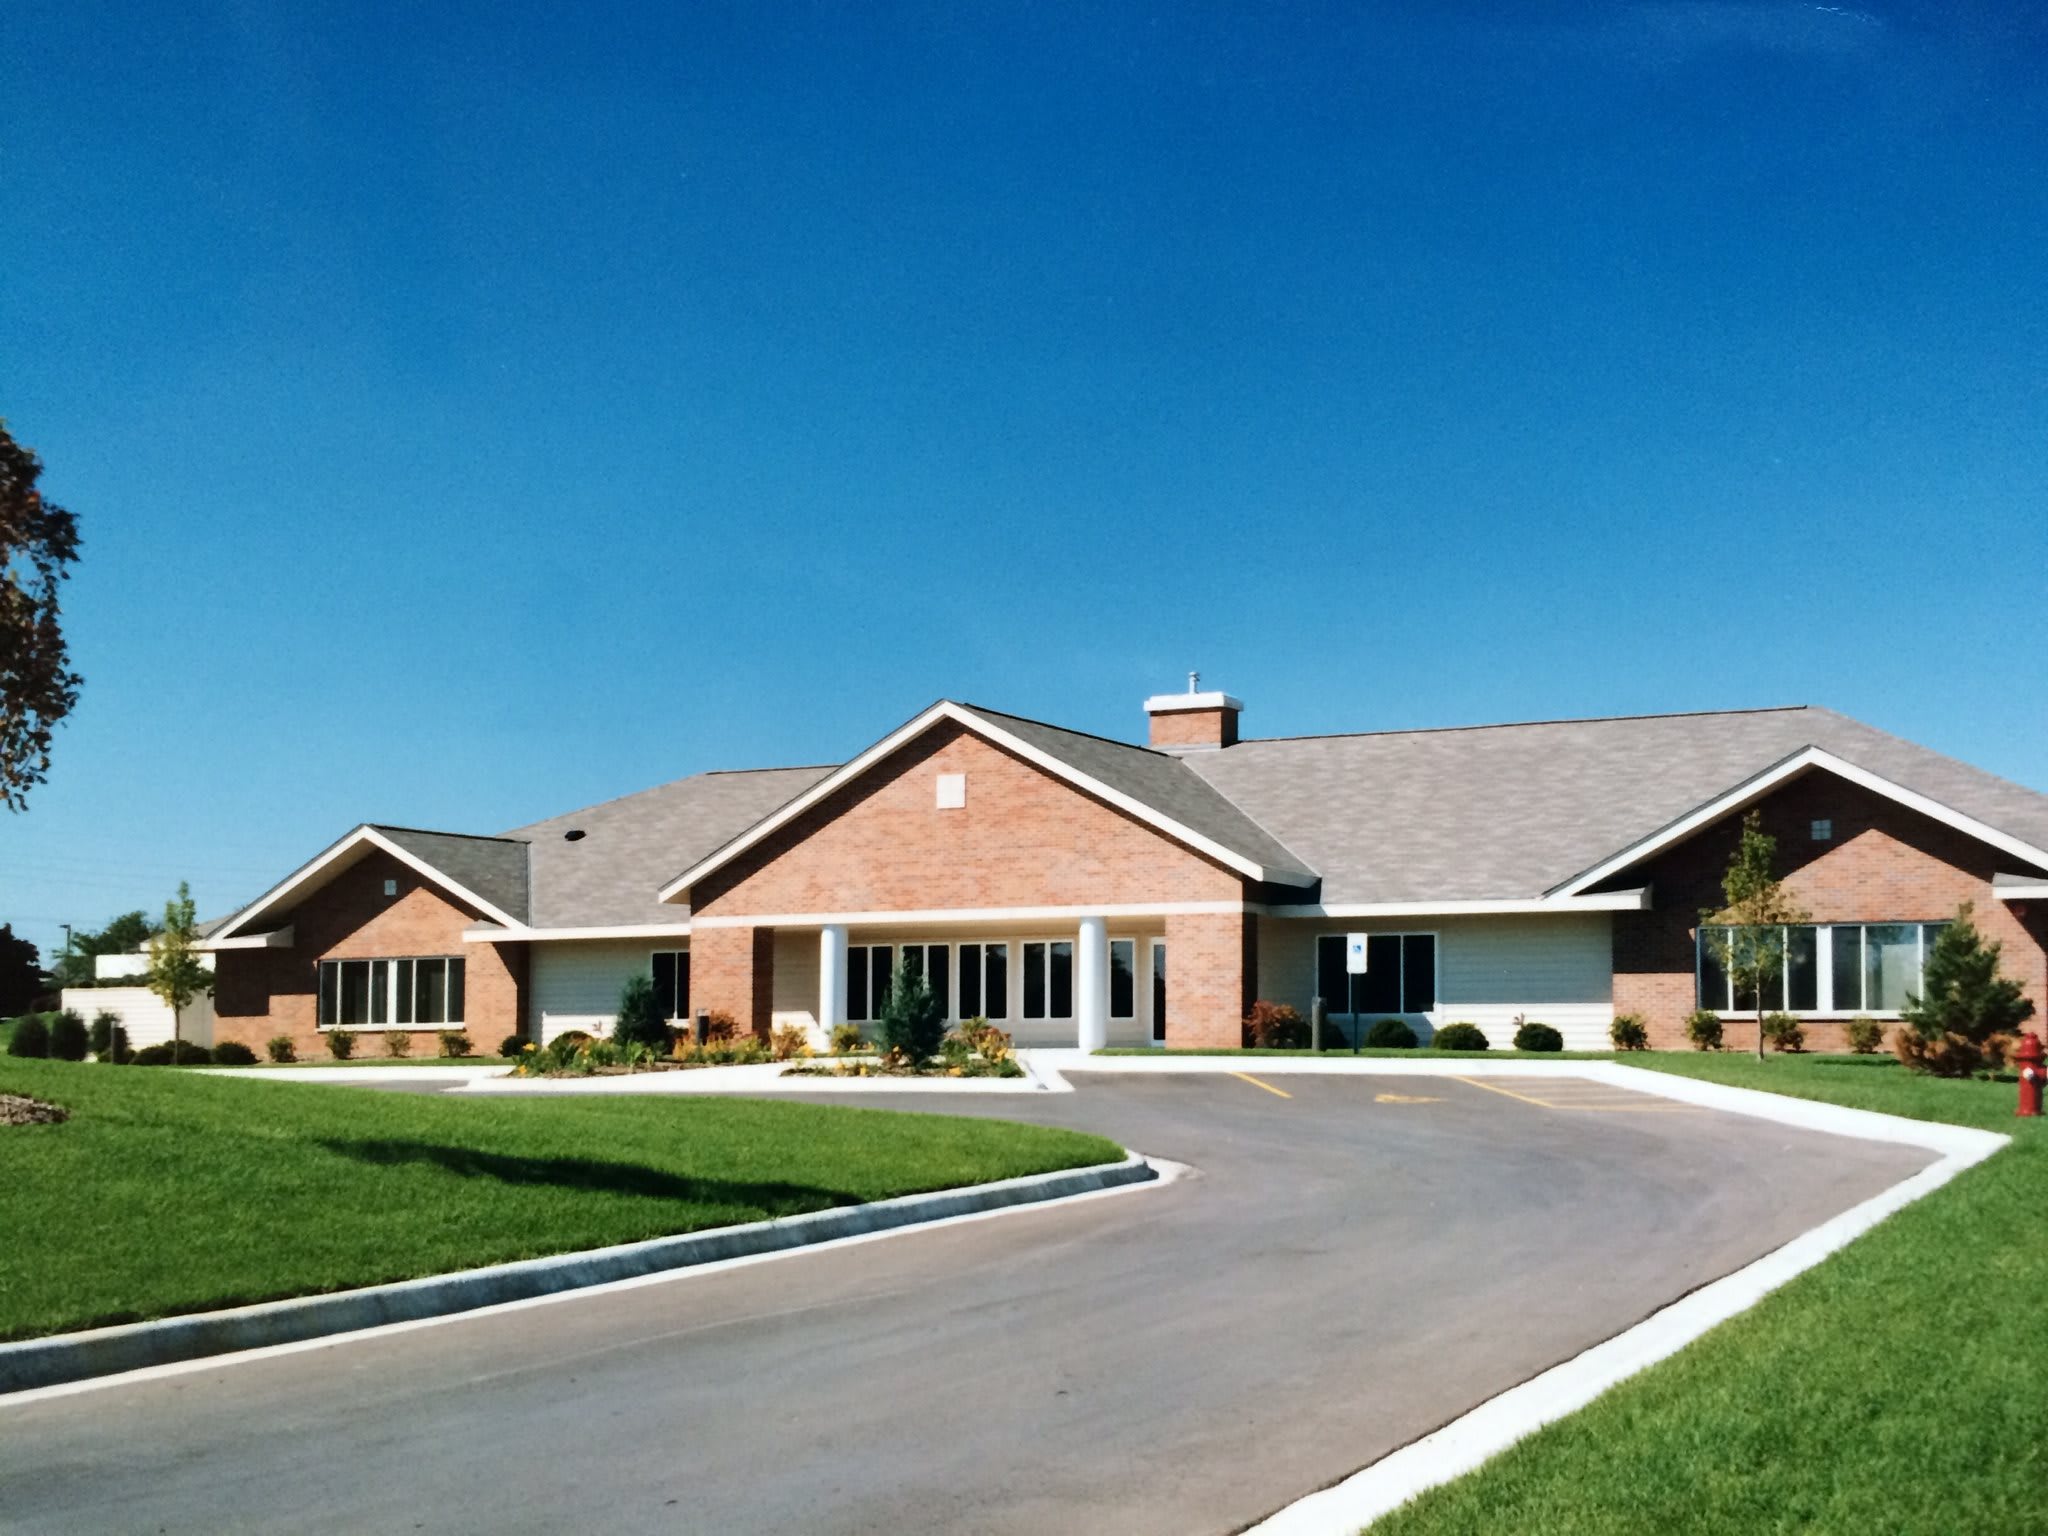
(640,1021)
(38,542)
(913,1021)
(175,972)
(1963,1005)
(1748,935)
(21,973)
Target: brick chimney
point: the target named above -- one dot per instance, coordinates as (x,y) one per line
(1193,721)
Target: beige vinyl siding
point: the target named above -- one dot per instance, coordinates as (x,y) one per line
(793,997)
(1551,970)
(145,1016)
(575,984)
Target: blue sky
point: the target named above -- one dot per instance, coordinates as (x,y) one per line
(477,413)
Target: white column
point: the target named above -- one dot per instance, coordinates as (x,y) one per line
(1091,983)
(831,979)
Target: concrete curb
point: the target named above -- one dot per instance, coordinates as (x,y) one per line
(36,1363)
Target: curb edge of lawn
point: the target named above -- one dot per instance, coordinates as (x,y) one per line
(59,1359)
(1467,1442)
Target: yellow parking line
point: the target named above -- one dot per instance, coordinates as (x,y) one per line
(1267,1086)
(1473,1082)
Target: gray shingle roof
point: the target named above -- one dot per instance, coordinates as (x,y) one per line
(1513,810)
(493,867)
(1162,780)
(633,846)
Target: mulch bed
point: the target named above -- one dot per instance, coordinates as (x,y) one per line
(17,1110)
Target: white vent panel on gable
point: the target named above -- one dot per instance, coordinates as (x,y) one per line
(952,791)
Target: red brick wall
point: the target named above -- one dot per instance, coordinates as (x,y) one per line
(259,993)
(1195,728)
(1885,863)
(1024,838)
(733,969)
(1211,969)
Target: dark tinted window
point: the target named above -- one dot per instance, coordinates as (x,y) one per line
(970,981)
(1123,985)
(1379,989)
(1034,981)
(1062,980)
(996,1004)
(1418,972)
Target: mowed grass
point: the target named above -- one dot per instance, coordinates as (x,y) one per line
(1901,1387)
(172,1192)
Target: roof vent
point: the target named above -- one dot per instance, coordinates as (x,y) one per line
(573,835)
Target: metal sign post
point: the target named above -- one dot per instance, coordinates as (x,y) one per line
(1354,967)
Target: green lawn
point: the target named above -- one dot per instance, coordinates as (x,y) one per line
(1902,1386)
(375,1061)
(172,1192)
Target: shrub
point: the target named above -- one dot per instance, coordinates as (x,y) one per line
(1865,1035)
(1629,1032)
(1784,1033)
(109,1039)
(790,1041)
(720,1027)
(232,1053)
(512,1046)
(573,1039)
(397,1042)
(990,1043)
(639,1020)
(913,1021)
(1538,1037)
(1703,1029)
(187,1055)
(1966,1009)
(1390,1034)
(1276,1027)
(846,1039)
(31,1036)
(1461,1037)
(454,1042)
(67,1037)
(341,1043)
(281,1048)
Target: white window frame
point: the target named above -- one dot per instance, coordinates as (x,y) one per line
(959,970)
(1824,968)
(1073,977)
(1436,980)
(389,978)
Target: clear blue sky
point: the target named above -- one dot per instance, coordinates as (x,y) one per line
(475,412)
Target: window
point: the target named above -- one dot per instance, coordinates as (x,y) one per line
(1049,979)
(867,980)
(1829,968)
(933,962)
(1123,980)
(952,791)
(1400,974)
(1159,989)
(672,983)
(1823,829)
(424,992)
(984,981)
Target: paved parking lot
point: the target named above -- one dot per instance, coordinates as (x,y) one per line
(1354,1261)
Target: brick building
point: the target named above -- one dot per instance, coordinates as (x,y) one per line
(1081,890)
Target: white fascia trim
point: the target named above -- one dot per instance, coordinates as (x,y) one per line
(1179,703)
(981,914)
(946,709)
(525,935)
(278,939)
(2036,890)
(363,834)
(1759,785)
(1605,901)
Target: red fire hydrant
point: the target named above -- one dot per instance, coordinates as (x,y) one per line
(2027,1057)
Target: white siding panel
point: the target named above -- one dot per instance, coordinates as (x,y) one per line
(145,1016)
(793,999)
(575,984)
(1555,970)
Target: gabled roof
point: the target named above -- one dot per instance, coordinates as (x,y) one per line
(609,876)
(1499,811)
(1155,787)
(488,873)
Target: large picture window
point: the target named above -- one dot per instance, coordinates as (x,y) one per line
(416,992)
(1829,968)
(672,983)
(1049,979)
(868,967)
(1400,974)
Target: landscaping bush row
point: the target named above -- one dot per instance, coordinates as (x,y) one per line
(1278,1027)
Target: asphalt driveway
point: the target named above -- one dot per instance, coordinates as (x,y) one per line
(1354,1261)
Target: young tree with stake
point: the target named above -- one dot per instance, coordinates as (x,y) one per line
(175,972)
(1748,935)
